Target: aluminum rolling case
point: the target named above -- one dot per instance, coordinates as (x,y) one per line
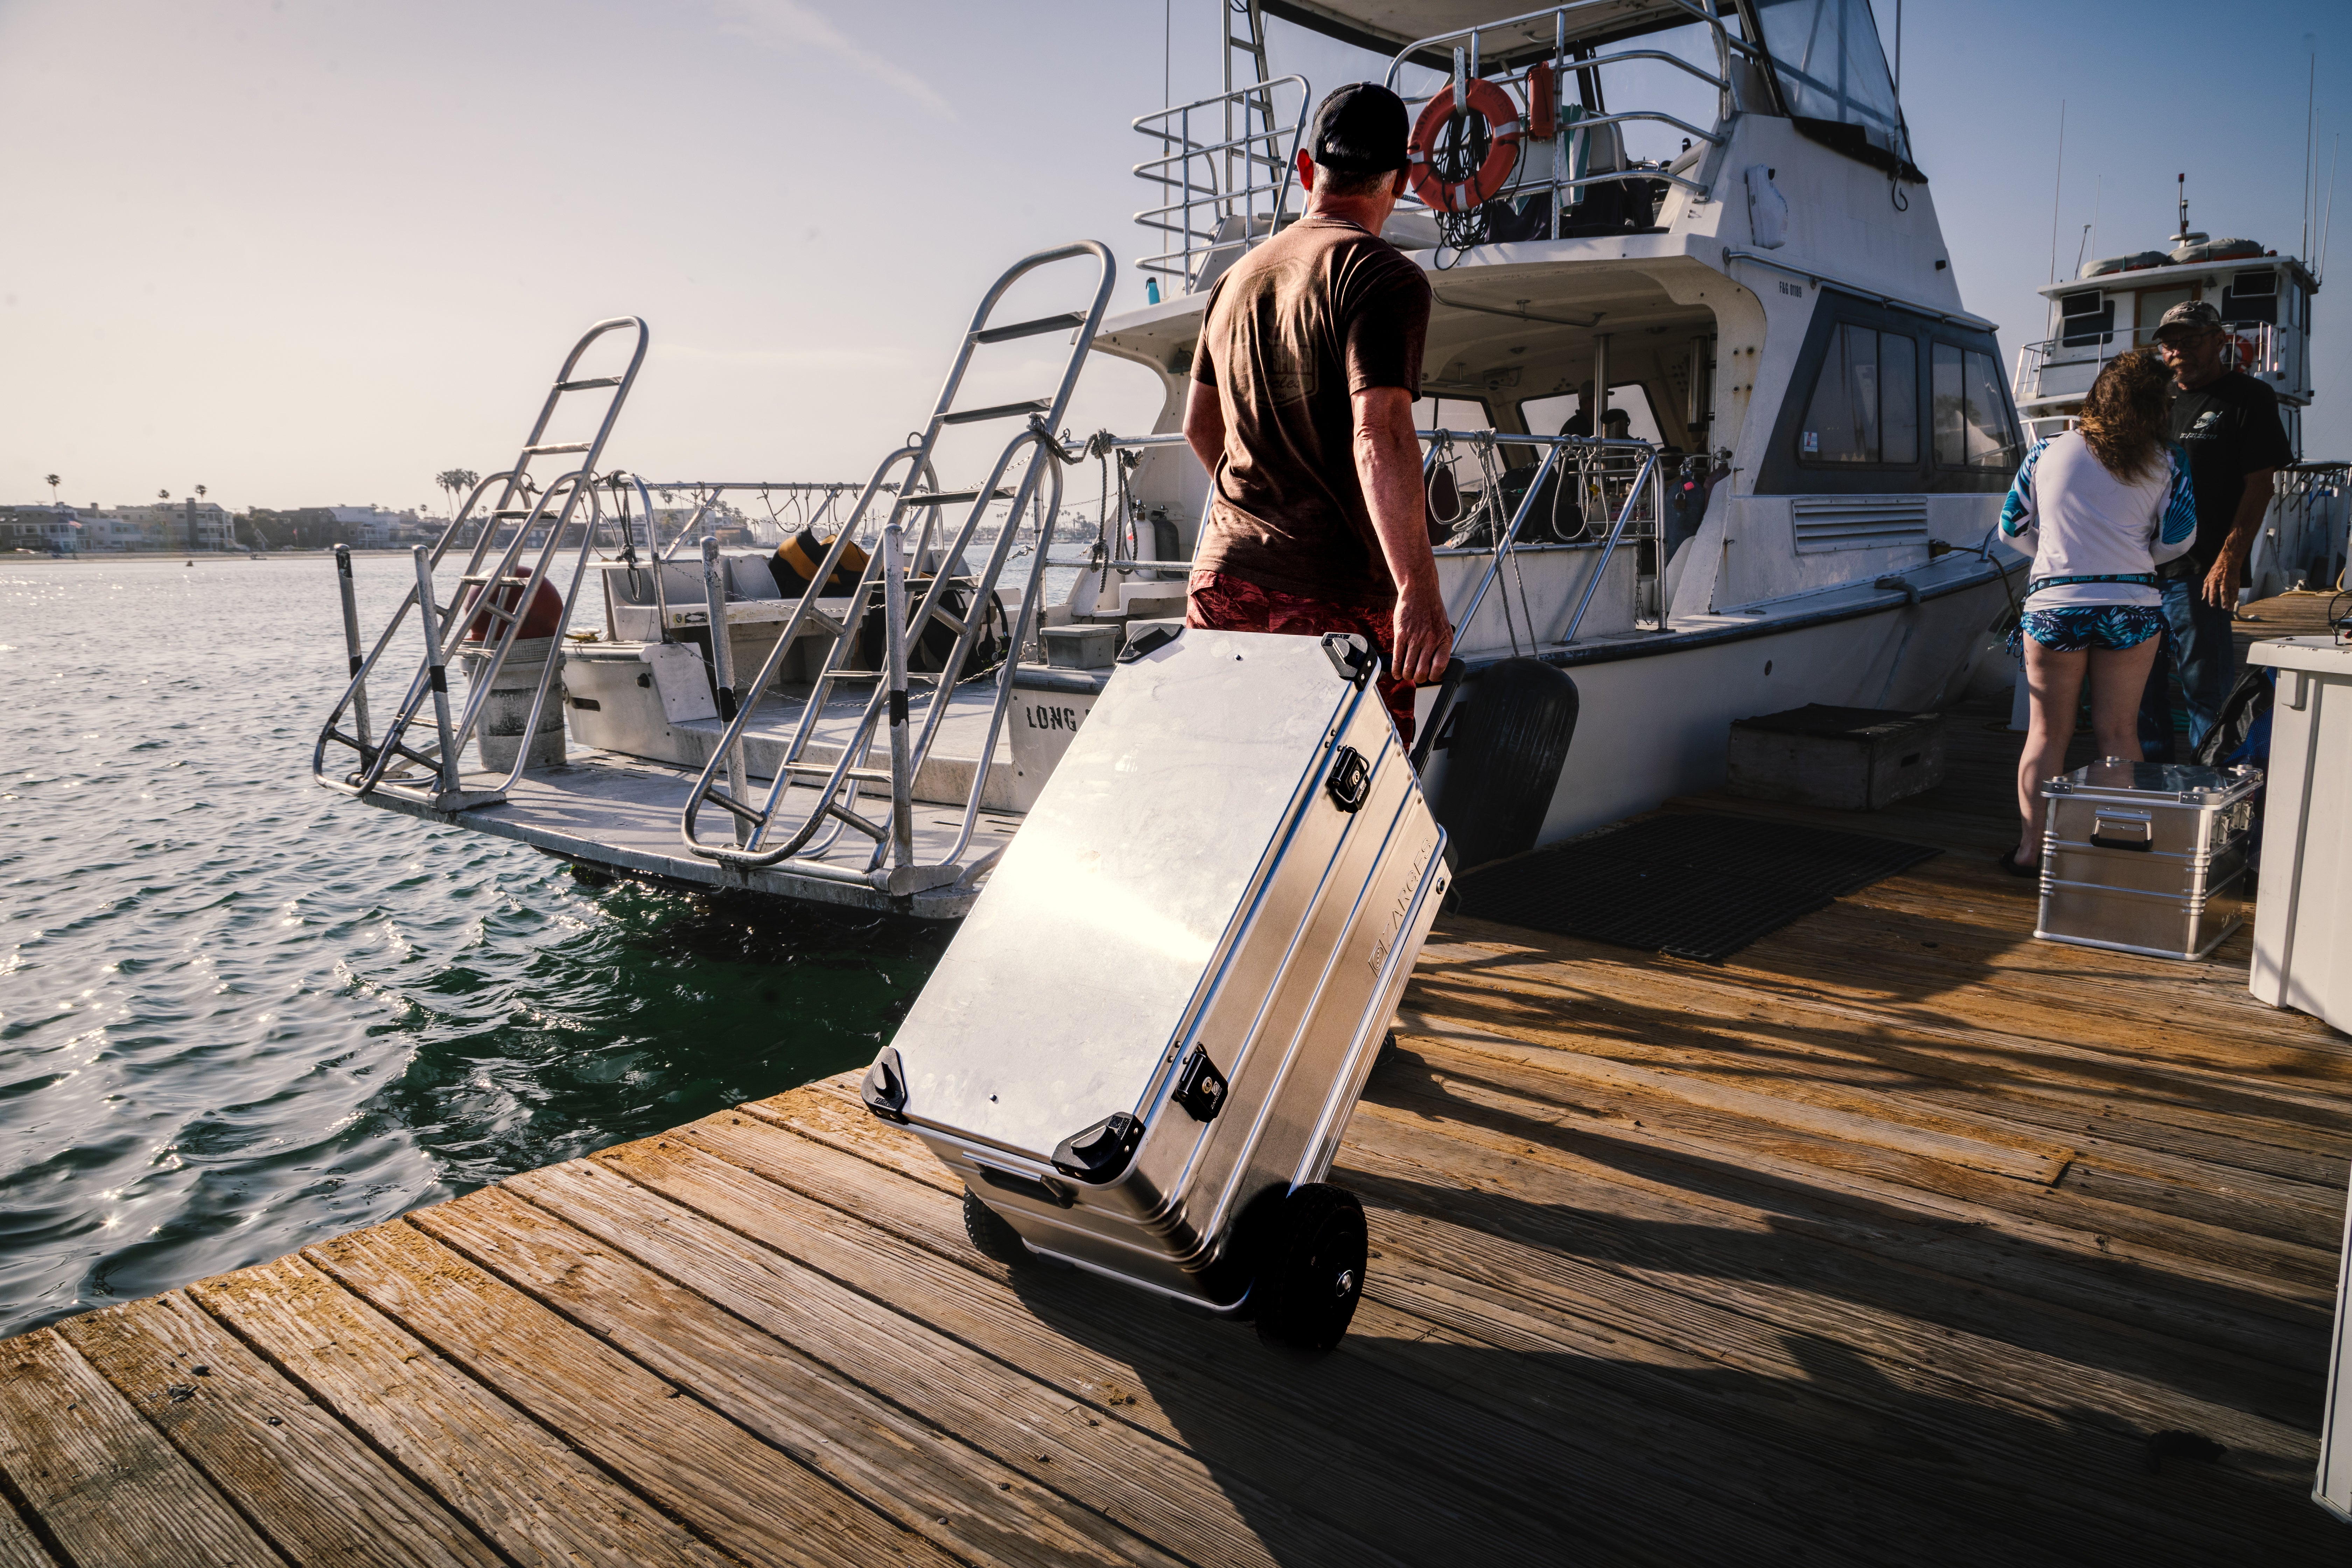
(1140,1050)
(2146,856)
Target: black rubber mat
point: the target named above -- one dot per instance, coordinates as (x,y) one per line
(1697,887)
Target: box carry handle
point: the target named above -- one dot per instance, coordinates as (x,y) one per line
(2123,830)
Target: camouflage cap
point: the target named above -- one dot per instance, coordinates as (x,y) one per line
(2193,315)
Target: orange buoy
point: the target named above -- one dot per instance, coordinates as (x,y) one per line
(543,619)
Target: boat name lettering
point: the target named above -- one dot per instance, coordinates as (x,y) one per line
(1043,718)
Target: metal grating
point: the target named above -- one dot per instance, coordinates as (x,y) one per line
(1858,522)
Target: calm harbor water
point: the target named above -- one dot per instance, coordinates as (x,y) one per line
(240,1013)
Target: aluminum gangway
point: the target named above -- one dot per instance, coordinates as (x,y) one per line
(809,805)
(491,600)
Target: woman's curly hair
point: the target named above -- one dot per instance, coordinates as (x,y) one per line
(2122,419)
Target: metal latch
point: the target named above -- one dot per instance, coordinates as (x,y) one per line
(2123,830)
(1200,1087)
(1350,783)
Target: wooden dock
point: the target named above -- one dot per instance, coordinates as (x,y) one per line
(1898,1238)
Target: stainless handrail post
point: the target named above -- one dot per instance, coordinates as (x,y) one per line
(1554,446)
(437,666)
(894,613)
(352,641)
(653,556)
(1601,567)
(722,669)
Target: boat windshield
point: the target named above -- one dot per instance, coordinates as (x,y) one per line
(1832,66)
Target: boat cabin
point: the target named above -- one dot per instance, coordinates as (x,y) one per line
(2113,306)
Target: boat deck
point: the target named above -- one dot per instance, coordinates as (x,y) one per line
(1899,1238)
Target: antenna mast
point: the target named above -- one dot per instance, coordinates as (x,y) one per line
(2057,184)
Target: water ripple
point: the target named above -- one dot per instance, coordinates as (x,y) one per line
(239,1014)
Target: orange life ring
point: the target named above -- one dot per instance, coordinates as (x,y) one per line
(1503,128)
(2245,346)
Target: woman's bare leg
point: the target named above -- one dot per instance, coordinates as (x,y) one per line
(2054,682)
(2115,711)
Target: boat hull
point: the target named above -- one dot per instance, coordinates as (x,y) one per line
(1656,724)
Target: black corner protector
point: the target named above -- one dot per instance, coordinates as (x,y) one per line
(1100,1152)
(1200,1087)
(1351,656)
(885,1089)
(1151,641)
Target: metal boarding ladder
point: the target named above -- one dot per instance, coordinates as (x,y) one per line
(494,604)
(838,796)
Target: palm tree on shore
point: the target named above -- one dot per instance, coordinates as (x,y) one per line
(53,481)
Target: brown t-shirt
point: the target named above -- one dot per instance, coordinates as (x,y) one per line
(1319,312)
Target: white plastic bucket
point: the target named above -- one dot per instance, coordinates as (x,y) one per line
(506,709)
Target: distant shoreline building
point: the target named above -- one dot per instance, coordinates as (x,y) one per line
(193,526)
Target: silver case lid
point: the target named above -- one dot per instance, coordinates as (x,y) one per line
(1095,937)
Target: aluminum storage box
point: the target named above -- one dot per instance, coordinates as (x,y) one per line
(1168,997)
(2146,856)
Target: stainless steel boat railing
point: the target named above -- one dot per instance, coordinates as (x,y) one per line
(1573,138)
(1230,194)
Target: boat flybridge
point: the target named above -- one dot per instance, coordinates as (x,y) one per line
(2113,306)
(1707,431)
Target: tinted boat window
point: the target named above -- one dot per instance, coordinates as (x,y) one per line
(1865,402)
(2086,318)
(1972,424)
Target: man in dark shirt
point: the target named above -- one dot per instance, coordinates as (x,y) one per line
(1301,409)
(2227,422)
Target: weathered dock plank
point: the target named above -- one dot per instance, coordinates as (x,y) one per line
(100,1476)
(521,1487)
(749,1499)
(300,1476)
(1897,1236)
(929,1481)
(19,1548)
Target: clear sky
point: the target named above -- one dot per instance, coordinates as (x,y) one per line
(310,252)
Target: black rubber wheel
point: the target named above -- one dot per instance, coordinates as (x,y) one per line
(992,1234)
(1311,1273)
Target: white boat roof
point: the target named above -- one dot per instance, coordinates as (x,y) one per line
(2177,272)
(1389,26)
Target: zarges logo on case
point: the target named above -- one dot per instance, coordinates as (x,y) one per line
(1399,909)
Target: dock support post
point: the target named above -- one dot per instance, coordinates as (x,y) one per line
(894,621)
(437,668)
(722,667)
(352,641)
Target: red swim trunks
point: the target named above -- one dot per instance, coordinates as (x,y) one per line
(1226,603)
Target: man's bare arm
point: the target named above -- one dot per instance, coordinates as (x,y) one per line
(1204,425)
(1387,465)
(2221,584)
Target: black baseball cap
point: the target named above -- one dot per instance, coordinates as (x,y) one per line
(1360,128)
(2190,317)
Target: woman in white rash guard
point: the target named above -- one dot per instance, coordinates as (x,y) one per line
(2099,508)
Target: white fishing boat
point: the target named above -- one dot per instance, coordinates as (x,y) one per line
(1704,225)
(2112,305)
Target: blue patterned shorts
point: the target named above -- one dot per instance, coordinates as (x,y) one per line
(2075,628)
